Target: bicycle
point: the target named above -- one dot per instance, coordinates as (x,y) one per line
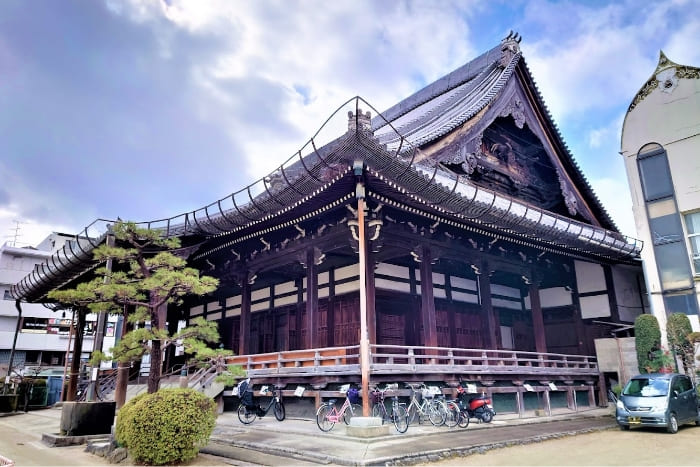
(328,415)
(428,407)
(247,413)
(398,415)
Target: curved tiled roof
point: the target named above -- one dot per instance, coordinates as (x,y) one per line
(388,148)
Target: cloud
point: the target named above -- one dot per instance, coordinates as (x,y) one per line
(144,109)
(4,197)
(614,193)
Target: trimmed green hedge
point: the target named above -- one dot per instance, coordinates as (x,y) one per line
(647,339)
(166,427)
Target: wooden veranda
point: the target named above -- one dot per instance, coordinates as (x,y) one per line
(509,374)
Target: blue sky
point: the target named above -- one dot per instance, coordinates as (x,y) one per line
(147,109)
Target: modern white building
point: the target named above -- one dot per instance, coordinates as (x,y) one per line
(661,149)
(43,337)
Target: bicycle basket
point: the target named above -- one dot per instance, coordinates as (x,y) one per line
(426,393)
(354,395)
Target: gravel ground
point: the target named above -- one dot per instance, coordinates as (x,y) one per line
(640,446)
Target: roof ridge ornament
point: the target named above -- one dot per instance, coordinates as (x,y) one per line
(360,121)
(510,46)
(665,78)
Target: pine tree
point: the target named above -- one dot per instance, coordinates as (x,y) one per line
(146,275)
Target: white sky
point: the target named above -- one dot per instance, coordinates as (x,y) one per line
(146,109)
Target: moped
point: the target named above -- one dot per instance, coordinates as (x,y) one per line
(479,407)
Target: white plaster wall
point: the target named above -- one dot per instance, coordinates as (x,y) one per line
(590,277)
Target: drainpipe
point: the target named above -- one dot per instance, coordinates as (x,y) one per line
(14,345)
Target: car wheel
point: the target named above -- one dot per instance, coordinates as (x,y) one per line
(624,427)
(672,426)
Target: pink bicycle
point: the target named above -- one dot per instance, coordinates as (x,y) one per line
(328,415)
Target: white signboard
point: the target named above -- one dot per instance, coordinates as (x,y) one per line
(299,391)
(528,387)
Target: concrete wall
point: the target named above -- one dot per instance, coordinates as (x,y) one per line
(617,355)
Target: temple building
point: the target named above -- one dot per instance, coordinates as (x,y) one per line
(454,231)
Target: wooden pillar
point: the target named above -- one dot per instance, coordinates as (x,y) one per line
(311,300)
(371,299)
(244,333)
(578,323)
(427,299)
(537,319)
(491,324)
(299,323)
(412,332)
(330,314)
(612,299)
(452,319)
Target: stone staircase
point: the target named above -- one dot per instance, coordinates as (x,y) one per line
(204,381)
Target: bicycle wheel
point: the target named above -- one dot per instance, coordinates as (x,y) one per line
(400,417)
(246,416)
(435,413)
(378,410)
(279,411)
(452,414)
(413,414)
(354,410)
(463,419)
(322,420)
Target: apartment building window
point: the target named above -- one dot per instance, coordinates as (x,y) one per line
(655,175)
(666,230)
(34,325)
(692,225)
(6,295)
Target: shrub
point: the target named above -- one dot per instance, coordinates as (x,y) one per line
(167,427)
(124,419)
(647,339)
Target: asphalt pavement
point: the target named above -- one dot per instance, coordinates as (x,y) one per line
(298,441)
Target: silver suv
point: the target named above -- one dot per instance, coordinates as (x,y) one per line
(664,400)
